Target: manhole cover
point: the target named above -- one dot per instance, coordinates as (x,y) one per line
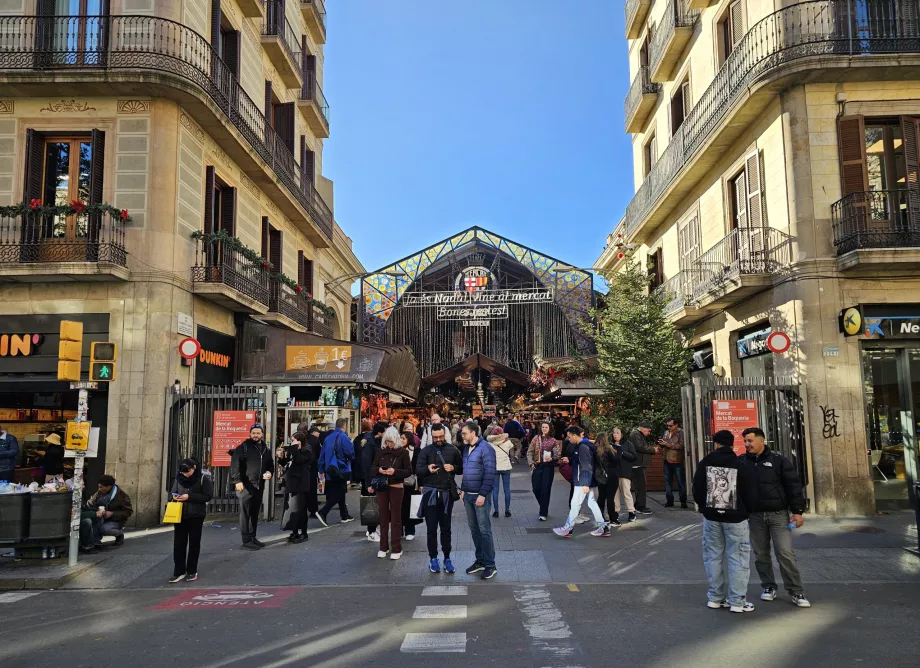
(856,528)
(540,530)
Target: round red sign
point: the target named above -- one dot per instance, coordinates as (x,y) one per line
(189,348)
(779,342)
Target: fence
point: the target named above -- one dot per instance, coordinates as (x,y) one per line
(191,420)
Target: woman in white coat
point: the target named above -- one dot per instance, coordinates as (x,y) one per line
(502,446)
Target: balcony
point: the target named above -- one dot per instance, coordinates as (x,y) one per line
(677,292)
(641,99)
(251,8)
(875,228)
(286,307)
(224,276)
(738,266)
(700,4)
(281,43)
(636,13)
(169,60)
(45,249)
(314,106)
(314,15)
(670,38)
(322,324)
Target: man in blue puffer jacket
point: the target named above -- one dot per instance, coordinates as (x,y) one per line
(582,461)
(476,493)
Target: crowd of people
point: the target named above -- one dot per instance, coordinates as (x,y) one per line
(408,475)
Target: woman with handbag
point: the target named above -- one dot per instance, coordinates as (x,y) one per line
(607,474)
(298,471)
(410,486)
(193,489)
(543,455)
(504,452)
(628,455)
(390,468)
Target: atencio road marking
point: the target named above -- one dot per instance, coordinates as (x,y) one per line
(434,642)
(440,612)
(459,590)
(551,641)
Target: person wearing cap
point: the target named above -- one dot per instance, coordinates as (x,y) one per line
(9,453)
(104,514)
(644,452)
(251,467)
(53,461)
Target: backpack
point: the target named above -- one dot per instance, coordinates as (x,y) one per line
(600,470)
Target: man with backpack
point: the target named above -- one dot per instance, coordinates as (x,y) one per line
(251,466)
(334,467)
(582,460)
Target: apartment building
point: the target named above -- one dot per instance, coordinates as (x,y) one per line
(188,134)
(777,175)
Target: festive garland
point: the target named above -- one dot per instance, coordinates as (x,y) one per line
(76,206)
(222,237)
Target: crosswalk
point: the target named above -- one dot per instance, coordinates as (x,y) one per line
(453,642)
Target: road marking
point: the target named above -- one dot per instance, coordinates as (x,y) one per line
(439,612)
(434,642)
(247,597)
(572,587)
(551,641)
(437,590)
(14,596)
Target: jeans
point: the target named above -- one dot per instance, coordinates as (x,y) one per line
(250,504)
(438,516)
(639,485)
(625,488)
(335,496)
(505,477)
(607,494)
(578,497)
(480,523)
(772,525)
(92,529)
(725,541)
(542,481)
(516,447)
(187,546)
(389,501)
(671,470)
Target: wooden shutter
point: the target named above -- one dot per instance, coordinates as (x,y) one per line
(754,193)
(740,195)
(265,242)
(307,161)
(97,166)
(910,132)
(268,113)
(688,242)
(654,269)
(284,124)
(35,156)
(276,244)
(44,32)
(685,97)
(851,143)
(209,183)
(232,53)
(300,267)
(215,25)
(736,24)
(307,273)
(228,210)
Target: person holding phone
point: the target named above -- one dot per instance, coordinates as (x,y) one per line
(391,466)
(298,472)
(193,488)
(251,467)
(438,464)
(543,455)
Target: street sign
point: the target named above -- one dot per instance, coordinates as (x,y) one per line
(189,348)
(185,325)
(230,429)
(243,597)
(734,415)
(779,342)
(84,385)
(77,437)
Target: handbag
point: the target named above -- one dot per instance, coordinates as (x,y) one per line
(173,514)
(454,492)
(370,511)
(411,481)
(379,483)
(415,506)
(566,471)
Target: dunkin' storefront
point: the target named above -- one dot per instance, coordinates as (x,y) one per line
(33,403)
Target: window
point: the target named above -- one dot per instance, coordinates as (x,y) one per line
(688,242)
(730,29)
(305,272)
(654,269)
(649,155)
(885,167)
(680,105)
(272,245)
(219,205)
(82,40)
(645,49)
(745,193)
(307,163)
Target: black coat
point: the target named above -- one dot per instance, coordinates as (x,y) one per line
(53,461)
(724,487)
(248,462)
(368,453)
(644,450)
(610,462)
(441,479)
(627,457)
(300,465)
(778,486)
(199,493)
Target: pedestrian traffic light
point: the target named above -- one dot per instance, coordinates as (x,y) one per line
(102,359)
(70,350)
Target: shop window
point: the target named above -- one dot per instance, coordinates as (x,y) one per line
(649,155)
(730,29)
(680,106)
(756,359)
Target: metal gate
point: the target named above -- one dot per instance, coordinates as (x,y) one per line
(780,411)
(190,425)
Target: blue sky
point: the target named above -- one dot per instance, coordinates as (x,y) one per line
(506,114)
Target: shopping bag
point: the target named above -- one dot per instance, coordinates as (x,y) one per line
(415,506)
(370,511)
(173,514)
(320,486)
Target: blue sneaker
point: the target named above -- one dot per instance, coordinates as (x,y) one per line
(434,566)
(449,567)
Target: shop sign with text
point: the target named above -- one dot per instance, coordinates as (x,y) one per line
(230,429)
(734,415)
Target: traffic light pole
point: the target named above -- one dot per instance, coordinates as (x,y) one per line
(77,499)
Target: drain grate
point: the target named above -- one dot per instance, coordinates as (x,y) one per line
(856,528)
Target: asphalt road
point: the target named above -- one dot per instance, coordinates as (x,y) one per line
(481,624)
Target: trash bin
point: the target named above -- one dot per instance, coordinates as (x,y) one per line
(50,516)
(14,516)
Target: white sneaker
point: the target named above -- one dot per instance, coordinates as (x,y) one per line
(581,519)
(410,537)
(395,556)
(801,601)
(373,537)
(769,594)
(381,554)
(716,605)
(744,607)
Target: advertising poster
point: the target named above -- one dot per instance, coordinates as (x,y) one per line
(230,429)
(734,415)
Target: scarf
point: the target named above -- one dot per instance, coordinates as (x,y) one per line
(106,498)
(187,483)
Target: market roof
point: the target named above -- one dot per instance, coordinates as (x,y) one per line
(272,355)
(477,361)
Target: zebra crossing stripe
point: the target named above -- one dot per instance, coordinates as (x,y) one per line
(459,590)
(434,642)
(440,612)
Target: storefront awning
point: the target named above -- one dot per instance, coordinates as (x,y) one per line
(477,361)
(271,355)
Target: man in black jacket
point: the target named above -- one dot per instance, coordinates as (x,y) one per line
(644,452)
(724,489)
(438,465)
(251,466)
(780,502)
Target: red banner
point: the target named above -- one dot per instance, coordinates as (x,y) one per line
(735,415)
(230,429)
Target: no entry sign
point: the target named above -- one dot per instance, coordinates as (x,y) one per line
(189,348)
(244,597)
(779,342)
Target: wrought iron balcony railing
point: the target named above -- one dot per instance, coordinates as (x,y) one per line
(322,324)
(284,301)
(277,25)
(312,92)
(676,15)
(636,10)
(220,263)
(677,291)
(96,238)
(814,28)
(877,219)
(744,252)
(320,8)
(132,43)
(641,85)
